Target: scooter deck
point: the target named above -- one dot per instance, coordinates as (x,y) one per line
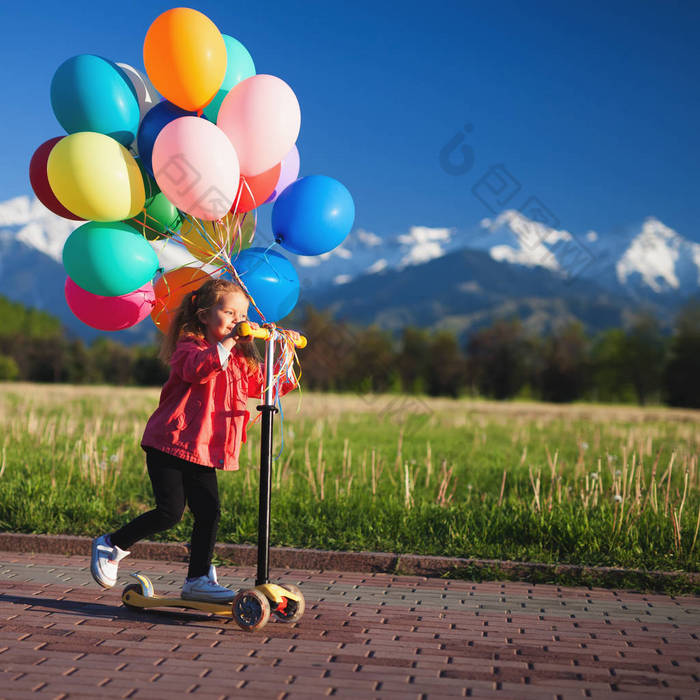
(134,599)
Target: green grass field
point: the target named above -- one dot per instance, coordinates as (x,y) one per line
(578,484)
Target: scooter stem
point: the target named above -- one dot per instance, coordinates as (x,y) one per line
(268,411)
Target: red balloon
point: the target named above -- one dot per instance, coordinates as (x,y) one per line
(254,190)
(40,180)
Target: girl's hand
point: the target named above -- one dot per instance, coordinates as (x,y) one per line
(237,330)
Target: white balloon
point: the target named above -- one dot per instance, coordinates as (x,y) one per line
(145,92)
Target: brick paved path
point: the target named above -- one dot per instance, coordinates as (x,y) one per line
(363,636)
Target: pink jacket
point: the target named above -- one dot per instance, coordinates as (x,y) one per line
(202,413)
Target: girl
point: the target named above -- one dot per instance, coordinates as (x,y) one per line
(197,428)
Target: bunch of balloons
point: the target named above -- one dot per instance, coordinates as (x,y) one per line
(185,153)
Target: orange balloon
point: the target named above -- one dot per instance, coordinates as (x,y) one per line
(253,190)
(170,290)
(185,57)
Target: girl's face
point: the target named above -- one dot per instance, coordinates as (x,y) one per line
(221,318)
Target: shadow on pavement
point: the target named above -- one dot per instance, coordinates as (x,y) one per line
(105,610)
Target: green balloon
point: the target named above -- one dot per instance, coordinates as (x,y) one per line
(160,219)
(108,258)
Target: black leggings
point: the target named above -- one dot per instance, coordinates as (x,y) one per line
(176,482)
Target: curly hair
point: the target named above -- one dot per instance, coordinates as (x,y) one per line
(187,319)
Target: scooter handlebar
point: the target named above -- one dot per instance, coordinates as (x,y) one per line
(264,333)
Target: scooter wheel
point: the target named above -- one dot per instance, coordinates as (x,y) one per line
(131,588)
(293,609)
(251,610)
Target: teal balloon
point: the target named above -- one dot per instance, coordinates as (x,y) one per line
(109,259)
(239,66)
(90,93)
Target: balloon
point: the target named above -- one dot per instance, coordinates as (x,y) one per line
(313,215)
(261,117)
(109,259)
(145,92)
(288,173)
(239,66)
(185,57)
(90,93)
(170,289)
(95,177)
(254,190)
(163,113)
(159,219)
(271,280)
(40,180)
(207,239)
(110,313)
(196,167)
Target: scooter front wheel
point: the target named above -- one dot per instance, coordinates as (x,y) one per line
(251,610)
(293,609)
(126,595)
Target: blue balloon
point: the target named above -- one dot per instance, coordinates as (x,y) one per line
(90,93)
(271,280)
(313,215)
(153,122)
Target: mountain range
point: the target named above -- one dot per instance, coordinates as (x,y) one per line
(457,279)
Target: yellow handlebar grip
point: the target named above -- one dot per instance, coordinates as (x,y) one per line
(299,339)
(245,329)
(264,333)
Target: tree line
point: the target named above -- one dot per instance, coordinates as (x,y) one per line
(636,364)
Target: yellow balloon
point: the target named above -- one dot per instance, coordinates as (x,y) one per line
(207,240)
(95,177)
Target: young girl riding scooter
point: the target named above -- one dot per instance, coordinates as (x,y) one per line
(197,428)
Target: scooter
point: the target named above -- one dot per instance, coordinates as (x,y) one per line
(251,608)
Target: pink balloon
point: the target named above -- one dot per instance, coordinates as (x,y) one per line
(288,173)
(196,167)
(110,313)
(261,116)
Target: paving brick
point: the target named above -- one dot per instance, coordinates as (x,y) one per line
(417,637)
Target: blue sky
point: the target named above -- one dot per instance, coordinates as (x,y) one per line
(592,108)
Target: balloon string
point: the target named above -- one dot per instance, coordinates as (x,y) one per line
(239,194)
(215,248)
(143,225)
(255,225)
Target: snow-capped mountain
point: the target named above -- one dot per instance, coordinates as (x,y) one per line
(662,260)
(648,263)
(28,221)
(364,252)
(652,262)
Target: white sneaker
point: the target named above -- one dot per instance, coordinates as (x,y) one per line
(207,590)
(105,561)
